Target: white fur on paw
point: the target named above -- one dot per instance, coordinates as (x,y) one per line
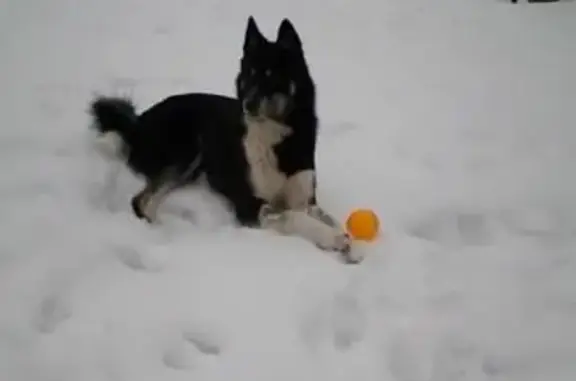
(334,240)
(357,253)
(318,213)
(337,241)
(341,244)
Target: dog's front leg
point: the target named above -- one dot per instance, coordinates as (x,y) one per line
(299,192)
(317,212)
(302,218)
(298,222)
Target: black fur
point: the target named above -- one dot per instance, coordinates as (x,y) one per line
(183,136)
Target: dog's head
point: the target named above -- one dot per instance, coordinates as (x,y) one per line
(273,78)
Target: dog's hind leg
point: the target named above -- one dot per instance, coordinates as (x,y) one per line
(145,204)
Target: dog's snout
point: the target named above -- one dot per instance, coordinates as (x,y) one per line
(251,101)
(274,86)
(252,105)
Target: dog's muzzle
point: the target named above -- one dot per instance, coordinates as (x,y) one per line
(275,106)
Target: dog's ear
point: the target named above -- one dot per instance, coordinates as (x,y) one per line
(288,37)
(253,38)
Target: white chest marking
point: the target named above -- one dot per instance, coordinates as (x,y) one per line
(262,134)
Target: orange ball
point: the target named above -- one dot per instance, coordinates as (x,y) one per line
(363,225)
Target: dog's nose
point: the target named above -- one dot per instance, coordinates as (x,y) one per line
(276,87)
(251,105)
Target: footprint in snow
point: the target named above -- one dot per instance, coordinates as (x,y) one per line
(418,353)
(454,228)
(189,349)
(341,321)
(51,313)
(457,359)
(539,222)
(348,321)
(138,261)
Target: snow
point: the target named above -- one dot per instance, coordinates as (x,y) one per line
(454,120)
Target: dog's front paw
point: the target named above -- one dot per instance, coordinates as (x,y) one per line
(340,243)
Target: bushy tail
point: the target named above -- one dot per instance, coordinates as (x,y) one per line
(115,119)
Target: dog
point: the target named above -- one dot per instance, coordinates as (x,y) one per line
(256,150)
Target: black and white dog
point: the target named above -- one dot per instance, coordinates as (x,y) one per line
(258,151)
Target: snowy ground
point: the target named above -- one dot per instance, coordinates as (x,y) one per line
(455,120)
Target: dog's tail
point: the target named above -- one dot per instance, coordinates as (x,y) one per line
(115,120)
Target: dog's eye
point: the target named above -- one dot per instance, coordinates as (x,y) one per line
(252,72)
(292,88)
